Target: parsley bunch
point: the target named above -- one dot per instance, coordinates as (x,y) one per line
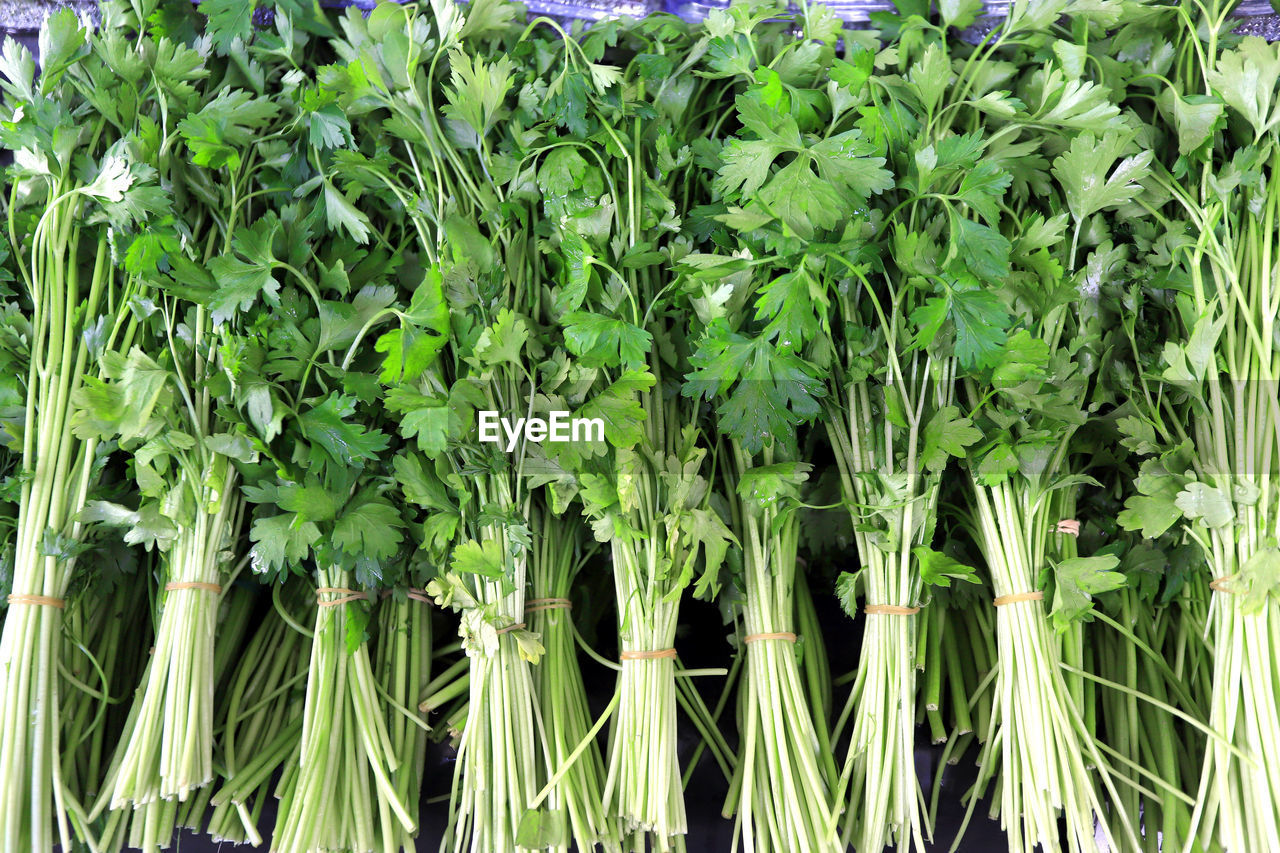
(615,171)
(1204,411)
(83,192)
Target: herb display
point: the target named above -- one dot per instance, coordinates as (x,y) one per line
(945,354)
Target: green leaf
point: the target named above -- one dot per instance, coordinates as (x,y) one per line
(980,321)
(929,76)
(1197,118)
(1089,181)
(928,319)
(503,342)
(1138,435)
(847,161)
(478,91)
(105,512)
(982,187)
(542,828)
(479,558)
(129,405)
(339,212)
(280,543)
(982,249)
(767,392)
(1246,78)
(408,352)
(218,135)
(1156,509)
(996,466)
(326,425)
(1260,576)
(420,486)
(429,423)
(937,569)
(822,184)
(309,501)
(237,447)
(705,529)
(620,408)
(329,128)
(17,71)
(959,13)
(370,529)
(239,286)
(847,593)
(1198,500)
(946,435)
(1000,104)
(795,305)
(1079,104)
(228,20)
(241,282)
(605,341)
(767,486)
(1076,580)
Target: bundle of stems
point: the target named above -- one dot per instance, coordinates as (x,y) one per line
(1212,406)
(107,642)
(962,681)
(500,767)
(785,773)
(953,689)
(260,716)
(893,498)
(643,785)
(1126,650)
(339,792)
(60,223)
(168,749)
(568,739)
(1048,756)
(402,665)
(151,826)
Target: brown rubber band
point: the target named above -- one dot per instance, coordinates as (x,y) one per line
(890,610)
(347,595)
(1069,526)
(785,636)
(38,600)
(1220,585)
(412,593)
(655,655)
(514,626)
(539,604)
(1002,600)
(207,587)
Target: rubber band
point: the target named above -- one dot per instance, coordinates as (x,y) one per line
(785,636)
(537,605)
(514,626)
(347,595)
(412,593)
(890,610)
(1002,600)
(207,587)
(654,655)
(1069,526)
(1220,585)
(37,600)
